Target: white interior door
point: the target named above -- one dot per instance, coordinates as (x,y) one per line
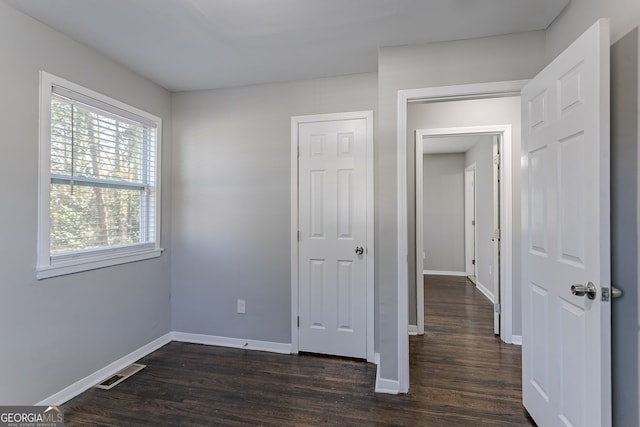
(332,245)
(470,221)
(566,335)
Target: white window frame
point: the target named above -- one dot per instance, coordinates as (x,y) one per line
(73,262)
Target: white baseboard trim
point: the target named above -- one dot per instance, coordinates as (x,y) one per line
(487,293)
(445,273)
(386,386)
(413,330)
(516,339)
(89,381)
(383,385)
(273,347)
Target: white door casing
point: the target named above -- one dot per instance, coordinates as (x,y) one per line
(502,269)
(332,292)
(496,261)
(566,364)
(452,93)
(419,227)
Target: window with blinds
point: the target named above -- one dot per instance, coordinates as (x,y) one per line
(100,181)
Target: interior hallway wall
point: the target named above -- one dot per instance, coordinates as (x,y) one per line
(482,155)
(443,212)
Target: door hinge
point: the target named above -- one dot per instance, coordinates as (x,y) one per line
(473,261)
(496,159)
(496,233)
(298,321)
(496,308)
(299,234)
(473,222)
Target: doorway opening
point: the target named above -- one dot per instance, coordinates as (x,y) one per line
(463,207)
(405,97)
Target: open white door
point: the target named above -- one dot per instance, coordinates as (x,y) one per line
(566,354)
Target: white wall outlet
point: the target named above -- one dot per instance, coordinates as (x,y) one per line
(242,309)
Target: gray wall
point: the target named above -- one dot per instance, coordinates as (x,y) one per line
(231,188)
(479,112)
(624,227)
(57,331)
(443,212)
(581,14)
(625,18)
(482,155)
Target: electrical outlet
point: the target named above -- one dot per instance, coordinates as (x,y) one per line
(242,309)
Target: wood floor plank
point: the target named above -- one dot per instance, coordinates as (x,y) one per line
(461,375)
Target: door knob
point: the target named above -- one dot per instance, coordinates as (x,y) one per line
(359,250)
(581,290)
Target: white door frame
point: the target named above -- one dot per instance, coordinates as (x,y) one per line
(497,247)
(369,253)
(470,235)
(506,209)
(419,186)
(443,93)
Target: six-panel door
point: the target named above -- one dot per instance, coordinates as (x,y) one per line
(332,222)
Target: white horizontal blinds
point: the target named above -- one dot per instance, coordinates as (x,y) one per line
(103,162)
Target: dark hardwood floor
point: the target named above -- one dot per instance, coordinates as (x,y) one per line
(461,375)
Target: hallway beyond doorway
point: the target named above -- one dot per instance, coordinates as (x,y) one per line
(459,363)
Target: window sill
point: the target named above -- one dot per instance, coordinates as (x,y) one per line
(99,261)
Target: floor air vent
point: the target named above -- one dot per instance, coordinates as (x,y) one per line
(116,379)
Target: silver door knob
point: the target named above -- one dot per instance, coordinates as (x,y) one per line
(581,290)
(359,250)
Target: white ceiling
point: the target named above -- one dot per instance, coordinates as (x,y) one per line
(452,144)
(201,44)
